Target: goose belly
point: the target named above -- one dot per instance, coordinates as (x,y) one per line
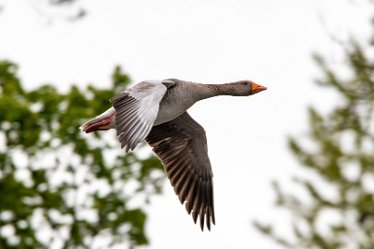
(169,112)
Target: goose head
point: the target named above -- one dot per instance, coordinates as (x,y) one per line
(244,88)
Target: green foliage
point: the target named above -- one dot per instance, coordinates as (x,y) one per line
(337,209)
(60,187)
(51,10)
(61,1)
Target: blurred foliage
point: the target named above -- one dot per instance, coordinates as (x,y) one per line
(336,207)
(59,187)
(62,1)
(68,10)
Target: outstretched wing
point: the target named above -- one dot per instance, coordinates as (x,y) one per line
(136,111)
(181,145)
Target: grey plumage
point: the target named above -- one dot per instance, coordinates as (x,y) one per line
(155,111)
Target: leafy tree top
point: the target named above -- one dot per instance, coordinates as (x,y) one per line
(59,187)
(340,153)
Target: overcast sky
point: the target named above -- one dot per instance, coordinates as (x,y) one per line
(268,41)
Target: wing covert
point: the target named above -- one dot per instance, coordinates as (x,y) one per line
(136,111)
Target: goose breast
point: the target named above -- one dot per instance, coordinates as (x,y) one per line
(175,102)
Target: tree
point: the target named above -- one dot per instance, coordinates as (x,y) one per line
(53,9)
(60,188)
(337,209)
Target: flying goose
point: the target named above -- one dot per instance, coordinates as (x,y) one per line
(155,111)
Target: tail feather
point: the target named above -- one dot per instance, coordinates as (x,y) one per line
(103,121)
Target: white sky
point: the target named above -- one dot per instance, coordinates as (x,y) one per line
(268,41)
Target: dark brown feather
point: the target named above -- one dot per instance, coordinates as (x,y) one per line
(181,146)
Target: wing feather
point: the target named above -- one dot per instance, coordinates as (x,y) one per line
(136,112)
(181,145)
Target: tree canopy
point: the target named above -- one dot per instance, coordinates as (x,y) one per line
(59,187)
(53,9)
(337,209)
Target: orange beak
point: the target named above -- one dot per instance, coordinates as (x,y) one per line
(256,88)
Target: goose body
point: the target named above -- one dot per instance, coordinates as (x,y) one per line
(155,111)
